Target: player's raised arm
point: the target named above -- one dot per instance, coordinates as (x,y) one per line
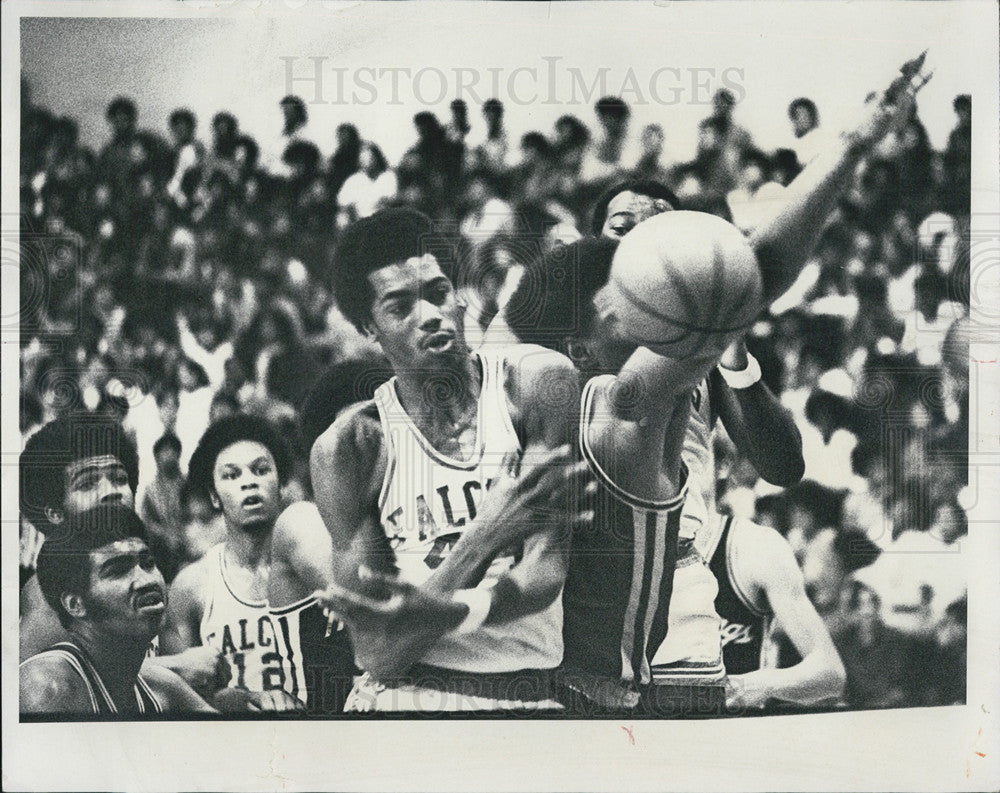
(784,242)
(764,561)
(761,427)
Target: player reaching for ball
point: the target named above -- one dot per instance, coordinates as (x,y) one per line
(699,298)
(448,564)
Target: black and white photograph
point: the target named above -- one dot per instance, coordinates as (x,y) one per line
(500,395)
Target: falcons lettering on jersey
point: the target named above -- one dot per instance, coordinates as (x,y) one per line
(252,638)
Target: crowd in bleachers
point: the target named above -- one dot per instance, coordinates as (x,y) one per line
(174,279)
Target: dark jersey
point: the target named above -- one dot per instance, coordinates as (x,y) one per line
(745,627)
(620,578)
(101,702)
(318,659)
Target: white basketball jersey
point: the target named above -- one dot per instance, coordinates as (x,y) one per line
(693,647)
(241,630)
(700,460)
(428,500)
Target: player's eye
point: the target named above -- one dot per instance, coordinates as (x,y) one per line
(146,561)
(119,476)
(262,469)
(88,482)
(118,567)
(438,294)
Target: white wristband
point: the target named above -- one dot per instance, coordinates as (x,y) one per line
(479,602)
(743,378)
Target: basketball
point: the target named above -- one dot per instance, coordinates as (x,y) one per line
(685,284)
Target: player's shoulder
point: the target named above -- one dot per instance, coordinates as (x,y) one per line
(49,682)
(189,584)
(356,434)
(759,553)
(288,528)
(531,371)
(534,358)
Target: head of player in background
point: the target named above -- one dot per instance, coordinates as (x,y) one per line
(804,116)
(394,289)
(340,386)
(962,106)
(74,463)
(622,207)
(558,304)
(100,578)
(241,463)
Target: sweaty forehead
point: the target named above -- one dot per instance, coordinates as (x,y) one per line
(408,274)
(242,453)
(641,206)
(99,462)
(124,547)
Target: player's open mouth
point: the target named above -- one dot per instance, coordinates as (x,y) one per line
(152,598)
(252,502)
(439,341)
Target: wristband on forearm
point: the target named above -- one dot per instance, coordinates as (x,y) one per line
(479,602)
(743,378)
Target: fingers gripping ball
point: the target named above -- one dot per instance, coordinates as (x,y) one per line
(684,284)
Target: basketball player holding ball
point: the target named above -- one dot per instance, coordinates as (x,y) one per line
(684,286)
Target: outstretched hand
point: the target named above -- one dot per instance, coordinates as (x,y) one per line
(542,487)
(389,608)
(889,110)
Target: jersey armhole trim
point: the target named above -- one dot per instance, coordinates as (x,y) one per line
(733,579)
(617,491)
(298,605)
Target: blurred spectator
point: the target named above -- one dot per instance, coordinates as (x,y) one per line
(161,509)
(295,118)
(188,154)
(808,140)
(876,657)
(491,154)
(367,189)
(958,159)
(607,159)
(346,158)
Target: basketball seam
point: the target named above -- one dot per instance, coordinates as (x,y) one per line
(656,314)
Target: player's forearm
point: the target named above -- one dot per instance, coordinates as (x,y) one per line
(519,594)
(817,678)
(763,430)
(784,241)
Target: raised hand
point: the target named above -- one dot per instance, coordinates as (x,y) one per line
(890,109)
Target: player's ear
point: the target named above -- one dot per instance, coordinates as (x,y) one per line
(214,498)
(73,603)
(662,205)
(578,351)
(369,331)
(54,515)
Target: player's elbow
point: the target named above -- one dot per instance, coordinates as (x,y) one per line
(787,470)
